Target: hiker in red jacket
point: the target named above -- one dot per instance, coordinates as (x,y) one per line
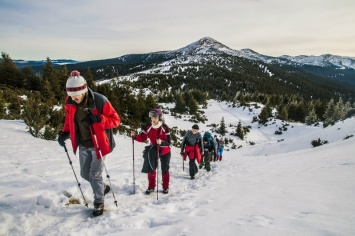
(158,134)
(89,121)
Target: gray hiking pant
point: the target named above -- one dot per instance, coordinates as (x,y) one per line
(91,170)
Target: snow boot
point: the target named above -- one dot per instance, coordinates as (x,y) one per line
(149,191)
(165,191)
(98,209)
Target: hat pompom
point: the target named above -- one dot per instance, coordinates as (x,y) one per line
(75,73)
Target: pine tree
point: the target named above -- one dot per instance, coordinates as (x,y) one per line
(240,131)
(31,81)
(311,118)
(35,115)
(50,74)
(222,127)
(180,106)
(328,114)
(347,106)
(265,113)
(9,74)
(140,110)
(14,105)
(150,102)
(190,102)
(284,113)
(62,76)
(349,111)
(90,79)
(47,92)
(339,110)
(2,107)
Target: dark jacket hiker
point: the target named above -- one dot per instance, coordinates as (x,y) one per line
(210,147)
(192,147)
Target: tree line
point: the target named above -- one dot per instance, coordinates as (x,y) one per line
(38,98)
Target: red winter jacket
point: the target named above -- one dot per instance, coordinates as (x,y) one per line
(153,133)
(103,129)
(192,152)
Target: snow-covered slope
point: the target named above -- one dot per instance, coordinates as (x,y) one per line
(271,188)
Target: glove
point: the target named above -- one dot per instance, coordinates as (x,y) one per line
(92,119)
(62,137)
(182,155)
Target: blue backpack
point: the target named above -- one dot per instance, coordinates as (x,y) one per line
(207,136)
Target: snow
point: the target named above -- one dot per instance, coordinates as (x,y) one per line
(271,188)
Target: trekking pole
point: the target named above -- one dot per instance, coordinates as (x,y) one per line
(183,164)
(158,170)
(134,178)
(70,162)
(103,162)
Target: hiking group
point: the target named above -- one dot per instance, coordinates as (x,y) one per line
(200,148)
(89,122)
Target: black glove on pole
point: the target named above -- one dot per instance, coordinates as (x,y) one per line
(62,137)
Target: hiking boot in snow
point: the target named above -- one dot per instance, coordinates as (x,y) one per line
(200,166)
(165,191)
(106,189)
(149,191)
(208,168)
(98,209)
(192,177)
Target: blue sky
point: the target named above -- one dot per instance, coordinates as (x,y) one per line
(92,29)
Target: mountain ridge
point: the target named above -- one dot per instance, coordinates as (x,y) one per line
(208,51)
(208,45)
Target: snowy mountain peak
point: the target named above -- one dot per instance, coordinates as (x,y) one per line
(209,42)
(209,45)
(205,45)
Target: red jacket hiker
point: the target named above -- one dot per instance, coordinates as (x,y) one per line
(158,135)
(89,121)
(103,130)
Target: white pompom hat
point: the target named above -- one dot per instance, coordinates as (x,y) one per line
(76,84)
